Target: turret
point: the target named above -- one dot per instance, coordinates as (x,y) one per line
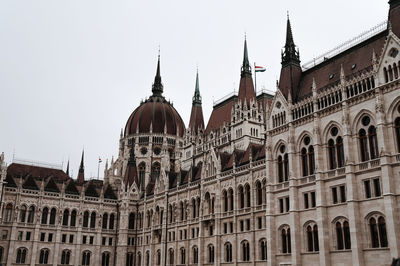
(246,87)
(196,117)
(291,69)
(81,172)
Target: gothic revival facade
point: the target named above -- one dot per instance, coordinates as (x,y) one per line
(307,176)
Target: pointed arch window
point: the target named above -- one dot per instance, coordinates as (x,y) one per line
(142,174)
(65,257)
(183,256)
(53,213)
(86,258)
(21,255)
(131,221)
(73,218)
(171,256)
(155,171)
(22,214)
(210,253)
(65,217)
(105,259)
(111,223)
(335,149)
(241,196)
(312,238)
(248,195)
(158,261)
(377,226)
(31,214)
(129,259)
(86,219)
(225,200)
(259,192)
(105,220)
(228,252)
(368,140)
(44,256)
(231,200)
(343,240)
(286,241)
(195,254)
(93,220)
(45,213)
(245,251)
(397,132)
(263,249)
(283,164)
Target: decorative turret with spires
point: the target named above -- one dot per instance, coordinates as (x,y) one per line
(290,55)
(81,172)
(246,87)
(291,69)
(157,88)
(67,171)
(196,117)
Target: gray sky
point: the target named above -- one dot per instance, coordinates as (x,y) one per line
(71,72)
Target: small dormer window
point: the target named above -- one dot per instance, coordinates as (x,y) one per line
(353,66)
(393,52)
(331,76)
(278,105)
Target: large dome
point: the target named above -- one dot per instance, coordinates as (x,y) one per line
(158,114)
(155,115)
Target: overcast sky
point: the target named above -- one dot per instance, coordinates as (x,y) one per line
(71,72)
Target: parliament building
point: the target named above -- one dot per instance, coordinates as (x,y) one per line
(308,175)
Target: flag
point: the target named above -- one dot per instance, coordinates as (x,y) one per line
(259,68)
(100,160)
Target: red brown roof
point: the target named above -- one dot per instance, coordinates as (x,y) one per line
(220,114)
(196,118)
(16,169)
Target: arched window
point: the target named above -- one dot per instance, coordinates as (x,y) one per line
(283,164)
(397,132)
(105,220)
(195,254)
(105,259)
(129,259)
(225,200)
(44,256)
(377,226)
(86,258)
(198,206)
(210,253)
(228,252)
(171,256)
(231,199)
(65,257)
(245,251)
(142,173)
(385,73)
(307,157)
(21,255)
(248,196)
(286,241)
(86,219)
(241,196)
(183,256)
(259,192)
(312,238)
(368,141)
(53,213)
(65,217)
(263,249)
(343,240)
(22,214)
(147,258)
(31,214)
(45,213)
(194,208)
(139,258)
(182,210)
(158,261)
(1,254)
(335,149)
(155,171)
(131,221)
(93,220)
(111,223)
(73,218)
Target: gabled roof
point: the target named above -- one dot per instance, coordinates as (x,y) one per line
(220,114)
(30,183)
(16,169)
(109,193)
(71,188)
(91,190)
(51,186)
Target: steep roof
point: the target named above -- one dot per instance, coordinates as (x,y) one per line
(328,72)
(16,169)
(220,114)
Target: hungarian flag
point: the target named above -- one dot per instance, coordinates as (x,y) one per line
(100,160)
(259,68)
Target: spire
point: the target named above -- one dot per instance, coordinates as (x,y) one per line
(246,69)
(290,54)
(67,171)
(157,88)
(196,117)
(81,172)
(197,97)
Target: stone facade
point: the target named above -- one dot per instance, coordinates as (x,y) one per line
(308,176)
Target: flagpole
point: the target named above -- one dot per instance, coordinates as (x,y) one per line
(255,77)
(98,170)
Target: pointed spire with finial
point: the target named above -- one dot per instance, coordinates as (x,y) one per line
(290,54)
(197,97)
(67,171)
(246,69)
(81,172)
(157,88)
